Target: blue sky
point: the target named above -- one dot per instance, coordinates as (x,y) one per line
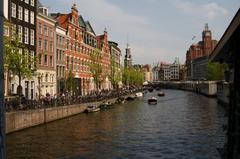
(157,30)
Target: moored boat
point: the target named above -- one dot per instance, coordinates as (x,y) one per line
(91,109)
(106,105)
(139,94)
(161,94)
(152,100)
(129,98)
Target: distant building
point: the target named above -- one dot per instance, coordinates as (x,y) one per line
(155,73)
(102,44)
(128,57)
(169,72)
(147,73)
(115,54)
(199,67)
(183,73)
(202,48)
(174,70)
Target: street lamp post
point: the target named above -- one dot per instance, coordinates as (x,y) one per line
(2,109)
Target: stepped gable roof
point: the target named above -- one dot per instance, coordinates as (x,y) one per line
(62,19)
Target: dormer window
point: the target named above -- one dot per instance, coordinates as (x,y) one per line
(44,10)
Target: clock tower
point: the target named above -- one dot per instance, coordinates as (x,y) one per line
(207,40)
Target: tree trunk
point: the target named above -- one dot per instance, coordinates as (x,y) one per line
(19,88)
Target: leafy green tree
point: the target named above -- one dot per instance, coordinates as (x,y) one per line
(115,73)
(133,77)
(96,68)
(126,76)
(18,60)
(71,84)
(215,71)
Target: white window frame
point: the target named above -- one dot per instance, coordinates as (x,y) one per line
(20,12)
(32,37)
(26,35)
(20,33)
(32,17)
(14,10)
(32,2)
(27,1)
(26,15)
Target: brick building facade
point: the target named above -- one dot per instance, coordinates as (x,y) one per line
(46,72)
(202,48)
(60,58)
(81,42)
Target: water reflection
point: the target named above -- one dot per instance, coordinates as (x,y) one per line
(182,125)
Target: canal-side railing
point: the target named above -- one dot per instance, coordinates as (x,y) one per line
(64,100)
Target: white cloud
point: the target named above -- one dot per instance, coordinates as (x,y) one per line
(210,10)
(147,44)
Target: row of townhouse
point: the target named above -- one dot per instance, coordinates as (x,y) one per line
(168,72)
(61,43)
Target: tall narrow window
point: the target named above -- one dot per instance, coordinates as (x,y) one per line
(51,46)
(32,37)
(45,45)
(40,43)
(45,60)
(32,17)
(32,3)
(40,59)
(20,12)
(26,35)
(20,33)
(45,30)
(26,15)
(13,10)
(51,61)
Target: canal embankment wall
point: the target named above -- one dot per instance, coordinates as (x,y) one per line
(19,120)
(217,89)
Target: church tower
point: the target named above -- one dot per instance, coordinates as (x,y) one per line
(207,40)
(128,57)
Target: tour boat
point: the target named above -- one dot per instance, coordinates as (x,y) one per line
(91,109)
(160,94)
(139,94)
(152,100)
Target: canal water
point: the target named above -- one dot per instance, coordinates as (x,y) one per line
(183,125)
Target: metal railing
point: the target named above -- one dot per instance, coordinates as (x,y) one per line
(65,100)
